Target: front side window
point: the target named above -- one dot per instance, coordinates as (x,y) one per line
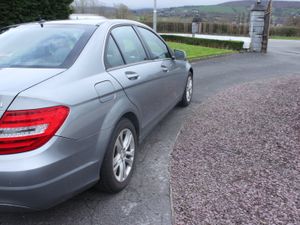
(130,45)
(34,46)
(113,57)
(157,47)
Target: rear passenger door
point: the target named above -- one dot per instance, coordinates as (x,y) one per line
(128,62)
(172,72)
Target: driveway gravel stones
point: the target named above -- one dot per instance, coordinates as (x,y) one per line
(237,159)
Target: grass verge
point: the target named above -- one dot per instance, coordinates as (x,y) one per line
(198,52)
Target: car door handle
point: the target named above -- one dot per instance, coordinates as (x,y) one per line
(132,75)
(165,68)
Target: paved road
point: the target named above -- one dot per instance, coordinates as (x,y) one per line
(146,200)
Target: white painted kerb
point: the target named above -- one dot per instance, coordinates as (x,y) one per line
(246,40)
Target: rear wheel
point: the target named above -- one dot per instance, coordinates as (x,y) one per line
(188,92)
(119,160)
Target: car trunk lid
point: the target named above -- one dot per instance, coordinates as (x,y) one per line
(15,80)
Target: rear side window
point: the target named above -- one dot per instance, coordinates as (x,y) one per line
(113,57)
(157,47)
(129,44)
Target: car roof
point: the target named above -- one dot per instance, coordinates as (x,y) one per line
(88,22)
(95,22)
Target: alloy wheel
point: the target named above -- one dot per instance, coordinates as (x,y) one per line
(189,89)
(123,156)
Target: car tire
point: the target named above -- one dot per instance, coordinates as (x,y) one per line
(188,92)
(119,160)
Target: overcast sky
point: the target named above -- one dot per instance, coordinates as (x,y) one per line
(165,3)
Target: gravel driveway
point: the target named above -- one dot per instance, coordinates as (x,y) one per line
(237,160)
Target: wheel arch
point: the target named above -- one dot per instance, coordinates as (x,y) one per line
(135,121)
(191,70)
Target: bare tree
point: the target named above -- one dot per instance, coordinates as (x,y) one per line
(293,21)
(100,9)
(122,11)
(82,5)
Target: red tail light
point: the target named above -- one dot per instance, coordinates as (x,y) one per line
(26,130)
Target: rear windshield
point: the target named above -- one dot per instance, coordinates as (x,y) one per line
(48,46)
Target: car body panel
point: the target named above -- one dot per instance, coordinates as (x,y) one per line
(145,92)
(62,164)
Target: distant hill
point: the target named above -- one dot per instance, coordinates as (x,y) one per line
(282,10)
(235,11)
(230,12)
(249,3)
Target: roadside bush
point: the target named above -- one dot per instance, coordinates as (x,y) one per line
(234,45)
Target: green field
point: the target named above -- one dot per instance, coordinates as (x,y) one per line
(199,52)
(213,9)
(284,38)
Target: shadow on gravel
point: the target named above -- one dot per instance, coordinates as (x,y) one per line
(237,161)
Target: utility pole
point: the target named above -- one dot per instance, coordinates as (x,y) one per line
(266,33)
(155,16)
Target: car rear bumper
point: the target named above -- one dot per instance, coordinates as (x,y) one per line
(40,179)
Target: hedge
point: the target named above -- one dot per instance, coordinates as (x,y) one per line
(234,45)
(22,11)
(285,31)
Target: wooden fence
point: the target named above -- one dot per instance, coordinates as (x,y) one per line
(205,28)
(222,29)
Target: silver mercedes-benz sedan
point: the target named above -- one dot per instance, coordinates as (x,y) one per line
(76,99)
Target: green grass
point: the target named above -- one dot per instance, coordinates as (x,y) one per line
(199,52)
(284,38)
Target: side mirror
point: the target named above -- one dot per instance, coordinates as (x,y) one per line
(180,55)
